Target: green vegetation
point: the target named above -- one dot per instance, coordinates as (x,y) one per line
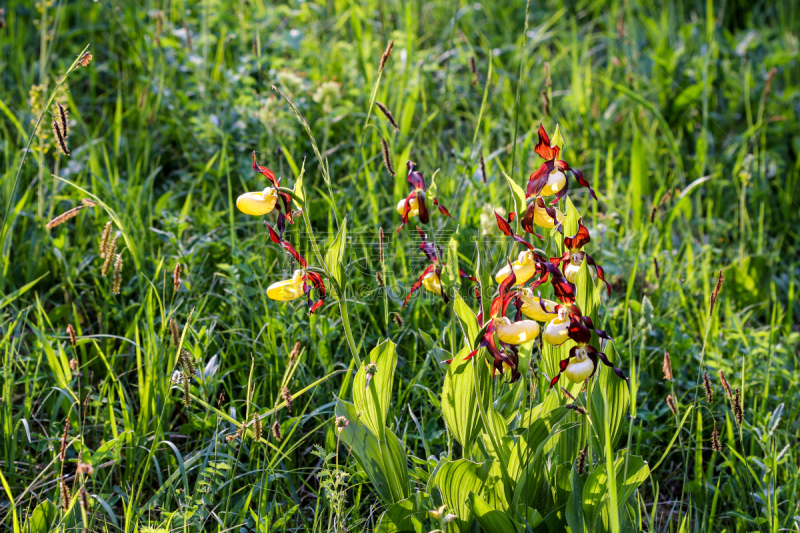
(142,396)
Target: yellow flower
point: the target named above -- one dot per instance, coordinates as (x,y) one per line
(580,366)
(556,332)
(555,182)
(258,203)
(533,309)
(573,266)
(288,289)
(432,282)
(541,218)
(524,268)
(413,203)
(516,332)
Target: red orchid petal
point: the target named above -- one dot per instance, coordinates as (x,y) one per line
(538,179)
(316,306)
(580,239)
(424,217)
(273,235)
(608,363)
(600,272)
(563,166)
(417,285)
(503,224)
(406,210)
(442,209)
(264,171)
(562,193)
(578,332)
(464,275)
(415,178)
(543,147)
(527,220)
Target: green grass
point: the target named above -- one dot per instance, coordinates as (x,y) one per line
(650,100)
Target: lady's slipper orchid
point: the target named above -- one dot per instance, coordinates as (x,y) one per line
(570,323)
(537,308)
(430,278)
(258,203)
(581,364)
(574,256)
(298,285)
(414,204)
(261,203)
(545,270)
(515,332)
(550,177)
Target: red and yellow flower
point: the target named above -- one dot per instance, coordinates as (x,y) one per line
(414,204)
(302,282)
(574,256)
(264,202)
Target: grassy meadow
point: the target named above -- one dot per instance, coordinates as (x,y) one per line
(151,384)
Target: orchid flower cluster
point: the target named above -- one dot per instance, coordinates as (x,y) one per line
(305,279)
(518,308)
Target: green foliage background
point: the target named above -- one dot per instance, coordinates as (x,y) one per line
(695,100)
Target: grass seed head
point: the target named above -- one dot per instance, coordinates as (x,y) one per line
(104,239)
(671,404)
(63,119)
(85,60)
(738,408)
(63,217)
(581,466)
(258,427)
(63,452)
(388,115)
(175,332)
(176,277)
(725,384)
(61,137)
(65,496)
(387,157)
(715,293)
(716,445)
(658,269)
(666,367)
(73,339)
(295,351)
(386,55)
(276,430)
(111,251)
(117,275)
(707,386)
(85,468)
(287,397)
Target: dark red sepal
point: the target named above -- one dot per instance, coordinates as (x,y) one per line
(273,235)
(442,209)
(415,178)
(563,166)
(417,284)
(580,239)
(543,147)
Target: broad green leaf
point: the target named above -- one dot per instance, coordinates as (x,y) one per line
(467,319)
(42,518)
(455,480)
(400,516)
(335,256)
(595,489)
(574,509)
(373,401)
(459,398)
(385,465)
(491,520)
